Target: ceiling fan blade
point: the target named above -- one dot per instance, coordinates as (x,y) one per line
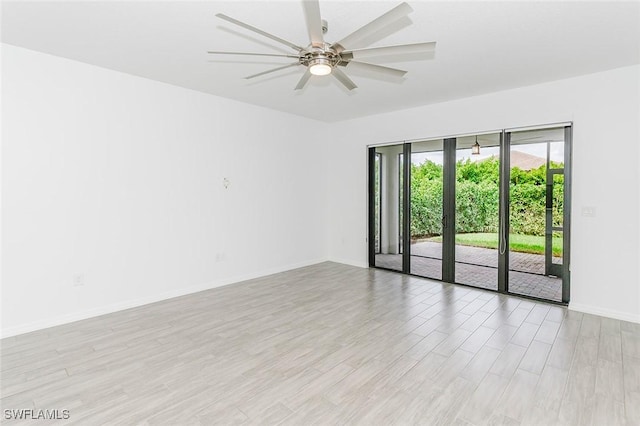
(303,80)
(400,11)
(252,54)
(342,78)
(379,68)
(401,49)
(314,22)
(259,31)
(272,70)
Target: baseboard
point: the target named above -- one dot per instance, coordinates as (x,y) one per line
(355,263)
(120,306)
(610,313)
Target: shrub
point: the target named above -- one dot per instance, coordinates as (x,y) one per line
(477,199)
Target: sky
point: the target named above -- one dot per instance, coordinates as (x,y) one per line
(537,149)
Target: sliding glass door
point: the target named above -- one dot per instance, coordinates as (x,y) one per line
(477,210)
(537,213)
(426,209)
(488,210)
(385,173)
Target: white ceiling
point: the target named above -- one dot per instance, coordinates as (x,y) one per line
(482,46)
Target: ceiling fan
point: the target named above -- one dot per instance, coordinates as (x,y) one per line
(322,58)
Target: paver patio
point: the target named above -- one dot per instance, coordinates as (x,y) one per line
(478,267)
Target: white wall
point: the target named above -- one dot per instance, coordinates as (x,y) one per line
(119,179)
(605,110)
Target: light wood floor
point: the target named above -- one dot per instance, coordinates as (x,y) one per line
(332,344)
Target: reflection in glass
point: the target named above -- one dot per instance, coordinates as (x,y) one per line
(376,201)
(388,190)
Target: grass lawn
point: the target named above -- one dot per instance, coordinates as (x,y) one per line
(521,243)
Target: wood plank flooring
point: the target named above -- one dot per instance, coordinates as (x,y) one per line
(331,344)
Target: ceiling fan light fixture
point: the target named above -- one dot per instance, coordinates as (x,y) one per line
(320,66)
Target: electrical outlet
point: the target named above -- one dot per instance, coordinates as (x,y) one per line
(78,280)
(220,257)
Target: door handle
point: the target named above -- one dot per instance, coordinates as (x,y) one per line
(444,221)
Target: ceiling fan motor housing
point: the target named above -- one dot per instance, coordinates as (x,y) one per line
(315,56)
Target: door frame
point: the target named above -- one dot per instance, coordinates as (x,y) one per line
(551,268)
(562,271)
(566,219)
(449,210)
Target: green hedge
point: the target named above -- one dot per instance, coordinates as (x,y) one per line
(477,197)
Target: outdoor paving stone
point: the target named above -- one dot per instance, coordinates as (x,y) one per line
(478,267)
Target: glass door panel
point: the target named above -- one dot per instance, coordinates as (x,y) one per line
(387,190)
(376,203)
(426,192)
(477,210)
(536,212)
(555,219)
(401,201)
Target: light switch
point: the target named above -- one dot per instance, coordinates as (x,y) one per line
(588,211)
